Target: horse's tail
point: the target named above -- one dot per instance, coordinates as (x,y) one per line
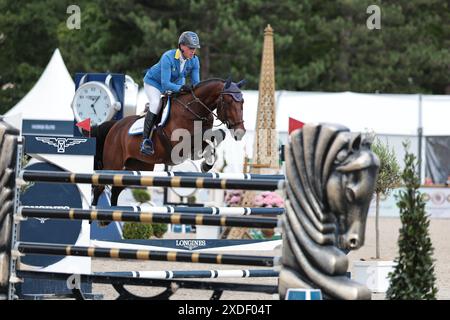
(100,132)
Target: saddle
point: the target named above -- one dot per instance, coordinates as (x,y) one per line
(137,127)
(162,117)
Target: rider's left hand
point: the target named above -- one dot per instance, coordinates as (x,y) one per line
(186,88)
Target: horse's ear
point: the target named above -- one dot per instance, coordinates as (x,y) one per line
(228,82)
(241,83)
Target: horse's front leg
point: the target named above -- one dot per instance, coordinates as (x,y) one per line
(210,145)
(96,193)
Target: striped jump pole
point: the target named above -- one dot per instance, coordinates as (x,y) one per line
(215,175)
(238,211)
(177,283)
(173,256)
(203,274)
(128,180)
(149,217)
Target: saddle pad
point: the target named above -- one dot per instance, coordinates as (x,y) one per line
(137,128)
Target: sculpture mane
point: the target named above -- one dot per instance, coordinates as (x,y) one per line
(331,177)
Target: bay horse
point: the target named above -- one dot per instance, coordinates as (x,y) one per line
(118,150)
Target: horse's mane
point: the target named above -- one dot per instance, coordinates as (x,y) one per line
(208,81)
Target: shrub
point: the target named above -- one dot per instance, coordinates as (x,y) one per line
(140,195)
(134,230)
(159,229)
(413,276)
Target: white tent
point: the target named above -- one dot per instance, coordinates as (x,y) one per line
(50,98)
(394,114)
(394,118)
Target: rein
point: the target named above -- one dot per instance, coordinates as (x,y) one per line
(219,105)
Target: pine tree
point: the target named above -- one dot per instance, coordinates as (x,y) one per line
(413,277)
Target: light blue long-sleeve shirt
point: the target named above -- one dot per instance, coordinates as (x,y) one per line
(166,75)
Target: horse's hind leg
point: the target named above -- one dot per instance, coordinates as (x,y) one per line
(115,192)
(96,192)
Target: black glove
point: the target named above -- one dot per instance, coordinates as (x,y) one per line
(186,88)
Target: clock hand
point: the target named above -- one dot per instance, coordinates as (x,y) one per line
(92,106)
(96,100)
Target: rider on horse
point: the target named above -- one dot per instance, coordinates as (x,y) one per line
(169,74)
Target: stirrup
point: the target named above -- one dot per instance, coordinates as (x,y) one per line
(147,147)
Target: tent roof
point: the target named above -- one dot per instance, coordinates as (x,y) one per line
(50,98)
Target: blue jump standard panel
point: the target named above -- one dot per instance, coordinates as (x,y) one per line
(48,231)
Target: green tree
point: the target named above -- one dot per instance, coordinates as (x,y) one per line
(27,41)
(319,46)
(413,276)
(387,179)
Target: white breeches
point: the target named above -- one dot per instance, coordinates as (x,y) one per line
(153,95)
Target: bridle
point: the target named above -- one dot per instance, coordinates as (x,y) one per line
(219,105)
(221,109)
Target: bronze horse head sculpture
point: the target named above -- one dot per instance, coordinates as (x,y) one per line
(331,176)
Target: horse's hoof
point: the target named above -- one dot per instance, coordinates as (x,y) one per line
(210,161)
(205,167)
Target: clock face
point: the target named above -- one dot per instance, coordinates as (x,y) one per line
(93,100)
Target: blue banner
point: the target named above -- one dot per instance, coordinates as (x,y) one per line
(59,145)
(47,127)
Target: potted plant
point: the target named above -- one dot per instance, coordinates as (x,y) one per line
(374,272)
(413,277)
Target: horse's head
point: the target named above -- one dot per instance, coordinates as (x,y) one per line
(349,191)
(230,108)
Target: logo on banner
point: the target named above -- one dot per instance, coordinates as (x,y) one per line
(42,220)
(61,143)
(190,244)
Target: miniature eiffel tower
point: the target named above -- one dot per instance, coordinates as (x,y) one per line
(265,149)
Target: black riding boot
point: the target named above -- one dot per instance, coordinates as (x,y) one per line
(149,122)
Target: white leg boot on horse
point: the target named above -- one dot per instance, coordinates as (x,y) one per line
(209,156)
(209,152)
